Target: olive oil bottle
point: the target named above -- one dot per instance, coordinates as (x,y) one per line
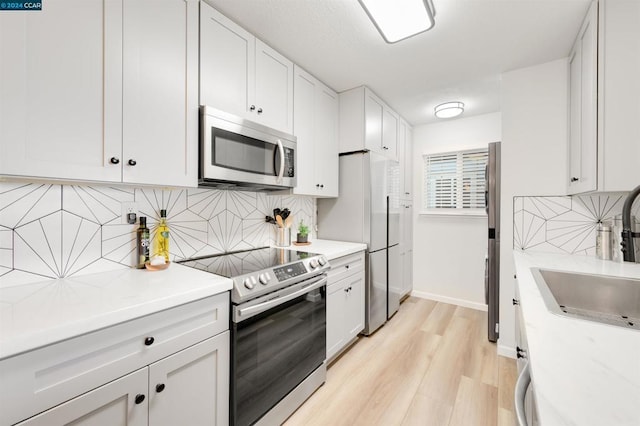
(162,237)
(142,240)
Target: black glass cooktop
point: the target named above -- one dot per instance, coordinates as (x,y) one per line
(231,265)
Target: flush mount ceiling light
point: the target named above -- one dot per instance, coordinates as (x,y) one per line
(400,19)
(449,109)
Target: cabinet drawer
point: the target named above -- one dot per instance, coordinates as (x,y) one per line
(35,381)
(345,266)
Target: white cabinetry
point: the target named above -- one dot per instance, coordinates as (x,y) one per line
(606,55)
(88,86)
(583,80)
(406,246)
(184,349)
(405,157)
(366,122)
(160,92)
(241,75)
(315,124)
(345,302)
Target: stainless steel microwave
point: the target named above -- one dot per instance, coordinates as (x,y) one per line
(240,154)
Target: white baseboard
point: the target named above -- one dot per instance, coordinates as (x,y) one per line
(507,351)
(450,300)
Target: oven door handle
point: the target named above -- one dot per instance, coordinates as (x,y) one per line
(248,312)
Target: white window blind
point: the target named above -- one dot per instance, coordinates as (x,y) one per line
(454,181)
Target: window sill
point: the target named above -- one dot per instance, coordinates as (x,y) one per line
(453,213)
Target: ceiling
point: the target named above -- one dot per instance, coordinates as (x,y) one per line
(460,59)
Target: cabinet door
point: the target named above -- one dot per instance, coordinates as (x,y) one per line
(354,309)
(273,88)
(160,78)
(192,385)
(304,118)
(227,63)
(583,107)
(111,404)
(407,169)
(373,111)
(326,141)
(390,121)
(61,85)
(336,321)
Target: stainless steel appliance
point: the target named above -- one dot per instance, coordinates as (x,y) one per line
(368,211)
(278,333)
(492,261)
(240,154)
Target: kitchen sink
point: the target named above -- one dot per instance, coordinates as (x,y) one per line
(599,298)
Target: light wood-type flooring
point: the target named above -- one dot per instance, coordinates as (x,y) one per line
(430,365)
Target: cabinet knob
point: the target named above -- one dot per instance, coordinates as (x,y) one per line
(515,302)
(259,110)
(520,353)
(317,185)
(114,160)
(321,186)
(149,341)
(346,290)
(252,107)
(346,266)
(132,162)
(159,387)
(385,147)
(139,398)
(575,179)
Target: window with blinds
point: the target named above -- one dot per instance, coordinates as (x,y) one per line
(454,181)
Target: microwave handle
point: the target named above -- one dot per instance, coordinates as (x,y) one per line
(281,149)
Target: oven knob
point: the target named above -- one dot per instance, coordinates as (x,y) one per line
(248,284)
(322,261)
(313,263)
(264,279)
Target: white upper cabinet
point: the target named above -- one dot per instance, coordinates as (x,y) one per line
(241,75)
(160,105)
(96,91)
(405,158)
(316,112)
(366,122)
(61,85)
(618,95)
(604,130)
(583,80)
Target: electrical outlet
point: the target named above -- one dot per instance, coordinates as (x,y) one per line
(129,213)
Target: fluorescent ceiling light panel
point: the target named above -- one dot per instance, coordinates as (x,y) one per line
(400,19)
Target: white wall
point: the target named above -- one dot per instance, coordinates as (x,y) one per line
(534,160)
(449,251)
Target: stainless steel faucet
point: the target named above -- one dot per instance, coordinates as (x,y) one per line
(628,249)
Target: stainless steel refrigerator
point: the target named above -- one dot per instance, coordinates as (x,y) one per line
(492,262)
(368,211)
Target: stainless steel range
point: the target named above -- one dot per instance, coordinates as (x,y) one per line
(278,343)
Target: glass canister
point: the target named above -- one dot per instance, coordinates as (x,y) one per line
(603,242)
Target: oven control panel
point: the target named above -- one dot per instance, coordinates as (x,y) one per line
(284,273)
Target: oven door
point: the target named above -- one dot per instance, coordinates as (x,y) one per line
(242,152)
(277,341)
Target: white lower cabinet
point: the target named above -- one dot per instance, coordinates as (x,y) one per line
(345,302)
(148,371)
(111,404)
(406,246)
(193,381)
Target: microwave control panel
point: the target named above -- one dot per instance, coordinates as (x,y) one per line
(289,162)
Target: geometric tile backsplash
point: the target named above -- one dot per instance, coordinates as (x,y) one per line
(564,224)
(54,231)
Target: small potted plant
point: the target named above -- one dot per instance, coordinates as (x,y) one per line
(303,232)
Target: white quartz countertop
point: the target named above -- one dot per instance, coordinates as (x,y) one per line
(39,314)
(584,373)
(331,249)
